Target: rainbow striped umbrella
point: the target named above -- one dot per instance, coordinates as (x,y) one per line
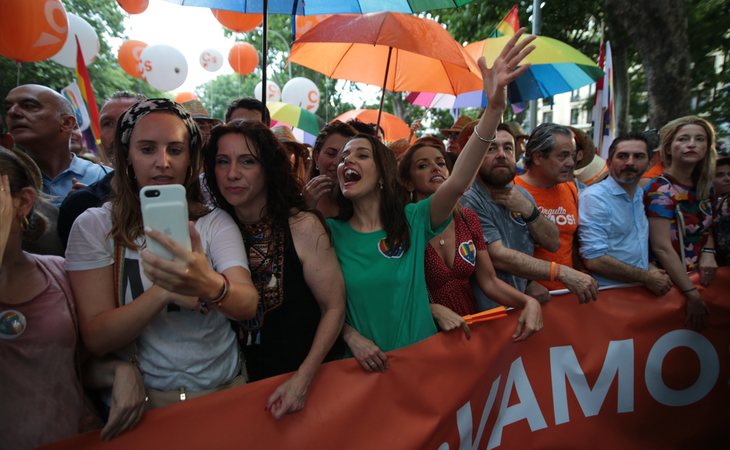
(295,116)
(472,99)
(556,67)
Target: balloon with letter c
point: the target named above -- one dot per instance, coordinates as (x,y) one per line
(273,91)
(32,30)
(164,67)
(88,39)
(301,92)
(211,59)
(129,56)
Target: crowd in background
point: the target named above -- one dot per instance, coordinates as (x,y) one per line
(300,255)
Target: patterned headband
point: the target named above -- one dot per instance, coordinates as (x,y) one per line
(141,109)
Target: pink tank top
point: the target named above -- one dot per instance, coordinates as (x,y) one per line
(41,394)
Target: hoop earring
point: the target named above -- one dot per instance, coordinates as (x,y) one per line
(410,193)
(24,223)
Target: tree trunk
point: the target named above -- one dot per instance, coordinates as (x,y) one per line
(620,52)
(658,31)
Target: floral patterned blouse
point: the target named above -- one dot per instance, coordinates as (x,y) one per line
(666,198)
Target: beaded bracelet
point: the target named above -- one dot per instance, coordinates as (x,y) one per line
(488,141)
(205,304)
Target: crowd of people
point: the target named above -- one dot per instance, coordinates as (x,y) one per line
(301,256)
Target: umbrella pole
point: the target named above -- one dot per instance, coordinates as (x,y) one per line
(382,94)
(264,58)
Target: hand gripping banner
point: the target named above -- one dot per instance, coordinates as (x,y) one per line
(622,372)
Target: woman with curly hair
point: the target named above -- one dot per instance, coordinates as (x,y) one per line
(293,265)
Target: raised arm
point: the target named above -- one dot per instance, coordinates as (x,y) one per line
(506,69)
(323,276)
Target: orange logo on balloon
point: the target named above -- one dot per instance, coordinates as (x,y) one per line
(32,30)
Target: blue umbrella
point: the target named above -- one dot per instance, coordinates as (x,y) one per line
(314,7)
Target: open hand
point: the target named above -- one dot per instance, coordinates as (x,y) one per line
(506,69)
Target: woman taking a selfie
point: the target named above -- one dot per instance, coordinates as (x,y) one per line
(171,317)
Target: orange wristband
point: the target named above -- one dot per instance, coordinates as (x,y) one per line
(552,271)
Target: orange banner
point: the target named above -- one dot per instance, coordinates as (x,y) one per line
(622,372)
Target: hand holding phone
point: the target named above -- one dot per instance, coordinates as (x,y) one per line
(165,209)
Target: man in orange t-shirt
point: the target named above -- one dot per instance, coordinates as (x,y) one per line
(549,162)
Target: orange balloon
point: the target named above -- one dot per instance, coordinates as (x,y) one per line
(239,22)
(128,56)
(32,30)
(134,6)
(183,97)
(243,57)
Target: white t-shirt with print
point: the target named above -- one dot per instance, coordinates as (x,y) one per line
(179,347)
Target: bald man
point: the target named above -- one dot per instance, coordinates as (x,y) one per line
(41,121)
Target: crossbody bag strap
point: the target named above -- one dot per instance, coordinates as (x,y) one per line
(679,220)
(118,273)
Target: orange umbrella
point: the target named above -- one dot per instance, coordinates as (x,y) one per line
(394,127)
(399,52)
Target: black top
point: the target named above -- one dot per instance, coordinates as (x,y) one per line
(286,331)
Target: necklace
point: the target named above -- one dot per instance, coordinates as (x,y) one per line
(441,240)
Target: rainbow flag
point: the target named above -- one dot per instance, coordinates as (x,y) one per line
(508,25)
(84,82)
(604,126)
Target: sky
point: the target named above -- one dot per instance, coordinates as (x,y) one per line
(192,30)
(189,29)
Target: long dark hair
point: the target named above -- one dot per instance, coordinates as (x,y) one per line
(283,189)
(392,196)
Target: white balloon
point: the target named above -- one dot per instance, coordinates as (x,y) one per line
(164,67)
(273,91)
(301,92)
(211,59)
(78,27)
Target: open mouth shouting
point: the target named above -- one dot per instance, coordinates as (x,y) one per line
(350,176)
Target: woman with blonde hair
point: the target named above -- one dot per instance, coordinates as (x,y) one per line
(679,206)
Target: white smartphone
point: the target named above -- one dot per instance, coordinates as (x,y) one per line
(165,209)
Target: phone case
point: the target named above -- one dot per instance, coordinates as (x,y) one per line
(165,208)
